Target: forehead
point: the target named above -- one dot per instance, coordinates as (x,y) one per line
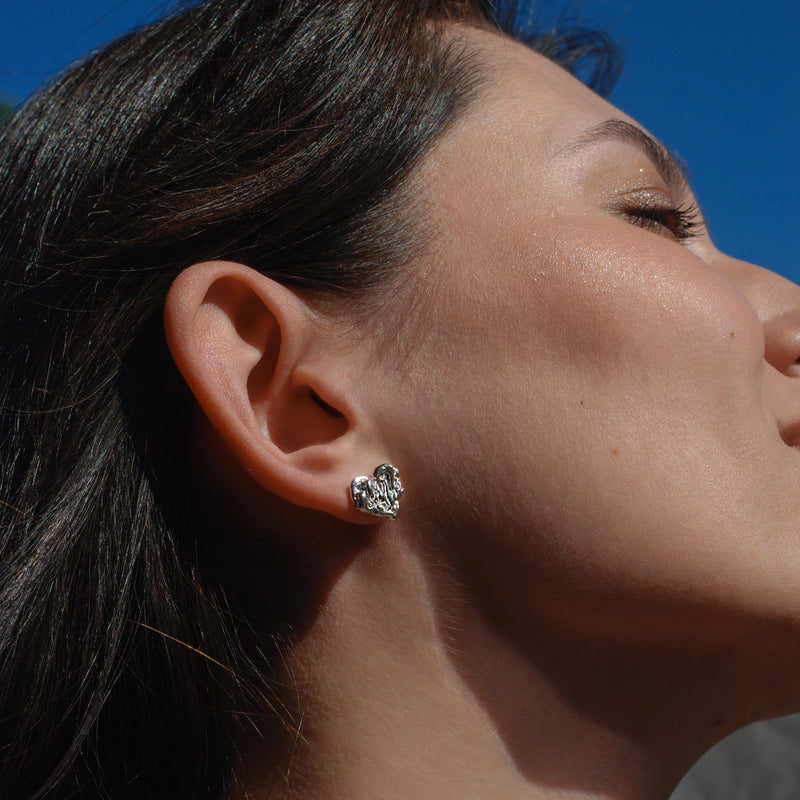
(529,108)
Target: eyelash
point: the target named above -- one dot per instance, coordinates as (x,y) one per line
(680,222)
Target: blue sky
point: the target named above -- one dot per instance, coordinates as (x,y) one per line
(716,80)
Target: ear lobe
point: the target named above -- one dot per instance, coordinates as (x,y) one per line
(252,353)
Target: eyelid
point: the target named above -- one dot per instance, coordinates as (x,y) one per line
(647,196)
(657,198)
(655,195)
(656,210)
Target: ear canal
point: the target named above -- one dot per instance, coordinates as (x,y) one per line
(325,406)
(298,418)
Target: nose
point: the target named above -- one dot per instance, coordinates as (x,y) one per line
(776,301)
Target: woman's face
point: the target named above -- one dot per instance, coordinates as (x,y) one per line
(611,413)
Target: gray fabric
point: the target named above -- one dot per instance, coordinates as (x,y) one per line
(760,762)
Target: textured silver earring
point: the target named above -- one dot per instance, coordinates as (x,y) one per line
(380,494)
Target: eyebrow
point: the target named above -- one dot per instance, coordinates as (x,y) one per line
(669,165)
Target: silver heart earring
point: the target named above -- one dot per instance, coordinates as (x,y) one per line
(380,494)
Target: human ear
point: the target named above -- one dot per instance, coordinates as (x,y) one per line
(270,376)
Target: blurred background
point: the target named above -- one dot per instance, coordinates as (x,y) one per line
(717,81)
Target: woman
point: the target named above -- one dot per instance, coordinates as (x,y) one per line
(278,272)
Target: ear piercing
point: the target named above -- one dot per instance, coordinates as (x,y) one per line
(380,494)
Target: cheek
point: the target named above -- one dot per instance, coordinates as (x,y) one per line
(568,311)
(596,400)
(608,293)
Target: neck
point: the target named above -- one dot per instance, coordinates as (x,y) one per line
(403,690)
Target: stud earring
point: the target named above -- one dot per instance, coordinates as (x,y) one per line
(380,494)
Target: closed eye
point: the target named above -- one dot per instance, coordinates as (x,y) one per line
(678,222)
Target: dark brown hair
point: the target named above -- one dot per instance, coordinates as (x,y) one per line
(278,133)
